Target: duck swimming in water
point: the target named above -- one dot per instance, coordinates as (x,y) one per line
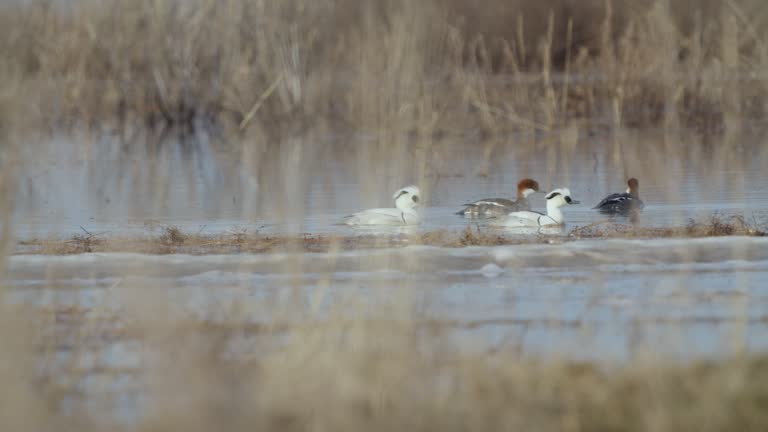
(495,207)
(622,203)
(555,200)
(407,201)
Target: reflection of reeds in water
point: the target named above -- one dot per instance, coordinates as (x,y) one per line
(279,77)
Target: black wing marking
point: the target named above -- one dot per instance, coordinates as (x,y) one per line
(613,200)
(538,220)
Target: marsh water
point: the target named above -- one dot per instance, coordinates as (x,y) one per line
(105,187)
(605,299)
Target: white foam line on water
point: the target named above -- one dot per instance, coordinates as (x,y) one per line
(226,278)
(208,278)
(608,255)
(701,267)
(75,283)
(463,251)
(626,247)
(260,258)
(137,258)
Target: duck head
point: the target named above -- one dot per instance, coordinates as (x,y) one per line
(526,187)
(407,198)
(634,188)
(560,197)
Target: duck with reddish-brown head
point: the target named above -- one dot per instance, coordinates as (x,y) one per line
(622,203)
(495,207)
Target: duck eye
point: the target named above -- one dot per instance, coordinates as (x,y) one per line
(415,198)
(568,199)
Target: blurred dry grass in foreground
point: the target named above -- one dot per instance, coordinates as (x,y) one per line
(375,374)
(385,67)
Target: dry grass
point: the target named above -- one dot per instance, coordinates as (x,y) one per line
(389,374)
(173,240)
(716,226)
(521,395)
(280,67)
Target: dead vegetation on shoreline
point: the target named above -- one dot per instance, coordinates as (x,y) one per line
(172,240)
(715,226)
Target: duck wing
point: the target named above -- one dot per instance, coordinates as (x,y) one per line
(525,218)
(612,200)
(379,216)
(500,202)
(490,207)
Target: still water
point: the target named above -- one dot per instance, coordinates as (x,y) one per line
(106,188)
(590,299)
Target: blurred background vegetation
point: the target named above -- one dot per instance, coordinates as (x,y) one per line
(445,65)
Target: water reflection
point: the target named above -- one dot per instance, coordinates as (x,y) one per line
(109,185)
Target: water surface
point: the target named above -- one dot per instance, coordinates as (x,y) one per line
(106,188)
(600,300)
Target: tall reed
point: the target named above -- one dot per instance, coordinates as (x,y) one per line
(295,64)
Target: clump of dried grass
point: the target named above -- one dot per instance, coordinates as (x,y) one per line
(719,225)
(79,243)
(172,236)
(715,226)
(476,237)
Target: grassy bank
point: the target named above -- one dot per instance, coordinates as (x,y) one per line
(432,67)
